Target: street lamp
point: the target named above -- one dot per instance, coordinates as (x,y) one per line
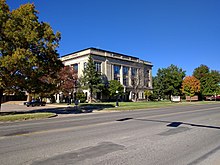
(116,98)
(70,98)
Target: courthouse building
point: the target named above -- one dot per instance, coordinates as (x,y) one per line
(114,66)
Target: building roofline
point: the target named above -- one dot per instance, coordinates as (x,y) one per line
(97,49)
(75,52)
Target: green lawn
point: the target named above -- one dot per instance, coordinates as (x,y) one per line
(139,105)
(26,116)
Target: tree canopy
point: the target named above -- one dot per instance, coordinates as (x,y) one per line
(190,86)
(168,81)
(67,80)
(209,79)
(114,86)
(28,55)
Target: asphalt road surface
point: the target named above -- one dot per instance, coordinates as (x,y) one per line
(182,135)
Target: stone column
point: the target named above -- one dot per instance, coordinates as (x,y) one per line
(121,75)
(106,65)
(112,72)
(150,78)
(129,76)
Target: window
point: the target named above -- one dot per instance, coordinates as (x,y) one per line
(117,78)
(125,81)
(117,69)
(133,71)
(117,72)
(146,77)
(98,66)
(125,70)
(75,67)
(125,75)
(85,65)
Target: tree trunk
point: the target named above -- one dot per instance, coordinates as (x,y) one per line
(90,97)
(135,97)
(1,94)
(29,97)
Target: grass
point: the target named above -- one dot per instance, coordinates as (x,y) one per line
(139,105)
(26,116)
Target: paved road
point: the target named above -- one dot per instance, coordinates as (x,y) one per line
(171,136)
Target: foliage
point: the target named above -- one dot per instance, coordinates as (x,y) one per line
(168,81)
(147,94)
(190,86)
(114,86)
(211,83)
(209,79)
(67,80)
(28,56)
(81,96)
(201,71)
(91,79)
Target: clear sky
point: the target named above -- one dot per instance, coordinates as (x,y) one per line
(185,33)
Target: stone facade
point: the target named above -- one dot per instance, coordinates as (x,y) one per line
(115,66)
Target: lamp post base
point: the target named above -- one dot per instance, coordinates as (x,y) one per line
(117,104)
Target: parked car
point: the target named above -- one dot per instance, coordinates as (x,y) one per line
(212,98)
(34,103)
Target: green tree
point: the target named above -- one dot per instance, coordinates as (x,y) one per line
(201,71)
(209,80)
(91,79)
(28,55)
(211,83)
(190,86)
(157,88)
(114,86)
(4,16)
(168,81)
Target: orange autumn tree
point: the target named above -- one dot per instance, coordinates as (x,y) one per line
(190,86)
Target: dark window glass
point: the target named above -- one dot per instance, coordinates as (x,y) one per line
(133,71)
(75,67)
(125,70)
(117,69)
(98,66)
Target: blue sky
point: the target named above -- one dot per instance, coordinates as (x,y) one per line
(185,33)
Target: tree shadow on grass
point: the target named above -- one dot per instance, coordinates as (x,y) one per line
(84,108)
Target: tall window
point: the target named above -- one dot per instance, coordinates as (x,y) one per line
(117,72)
(98,66)
(125,75)
(147,77)
(117,69)
(134,71)
(125,70)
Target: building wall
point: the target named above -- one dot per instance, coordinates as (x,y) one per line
(108,60)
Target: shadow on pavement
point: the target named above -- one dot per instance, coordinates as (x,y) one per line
(177,124)
(171,123)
